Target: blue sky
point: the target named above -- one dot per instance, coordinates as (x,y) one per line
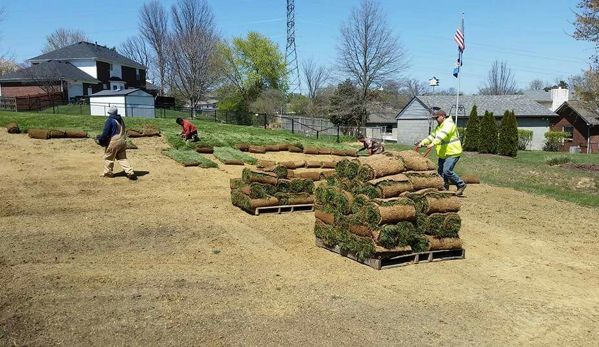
(532,36)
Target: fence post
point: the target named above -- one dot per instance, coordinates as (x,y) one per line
(226,117)
(317,134)
(215,116)
(265,122)
(292,126)
(338,130)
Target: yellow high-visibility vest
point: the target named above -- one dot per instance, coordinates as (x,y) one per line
(446,138)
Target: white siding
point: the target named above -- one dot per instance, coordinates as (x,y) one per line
(75,89)
(140,105)
(87,66)
(413,125)
(99,105)
(539,127)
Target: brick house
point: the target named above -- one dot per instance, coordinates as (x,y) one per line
(80,69)
(581,123)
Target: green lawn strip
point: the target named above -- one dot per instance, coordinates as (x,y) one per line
(227,153)
(184,156)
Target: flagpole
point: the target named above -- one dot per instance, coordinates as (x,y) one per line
(457,102)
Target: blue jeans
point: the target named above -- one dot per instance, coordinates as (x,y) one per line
(446,171)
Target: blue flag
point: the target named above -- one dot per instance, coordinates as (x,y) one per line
(458,64)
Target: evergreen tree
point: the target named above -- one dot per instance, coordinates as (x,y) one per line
(508,135)
(471,134)
(488,134)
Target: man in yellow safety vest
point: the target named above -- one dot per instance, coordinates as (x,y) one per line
(449,149)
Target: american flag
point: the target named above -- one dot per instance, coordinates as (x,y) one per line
(459,36)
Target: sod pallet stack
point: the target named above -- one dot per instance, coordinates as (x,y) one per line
(270,187)
(376,207)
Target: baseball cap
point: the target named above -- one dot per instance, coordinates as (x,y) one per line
(113,110)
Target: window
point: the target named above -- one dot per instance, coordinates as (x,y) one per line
(137,74)
(110,67)
(115,87)
(569,129)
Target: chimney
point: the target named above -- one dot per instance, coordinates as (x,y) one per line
(558,97)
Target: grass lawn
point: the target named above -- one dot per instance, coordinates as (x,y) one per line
(530,172)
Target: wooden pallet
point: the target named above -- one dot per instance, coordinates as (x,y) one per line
(284,209)
(402,259)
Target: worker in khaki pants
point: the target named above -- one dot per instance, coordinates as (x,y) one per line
(115,144)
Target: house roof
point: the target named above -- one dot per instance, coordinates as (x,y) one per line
(589,116)
(382,116)
(522,105)
(49,69)
(121,92)
(85,51)
(543,96)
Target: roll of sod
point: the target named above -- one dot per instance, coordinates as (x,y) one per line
(470,179)
(313,164)
(57,134)
(204,149)
(435,243)
(76,134)
(295,149)
(425,179)
(300,185)
(379,166)
(311,150)
(325,217)
(324,174)
(234,162)
(415,161)
(38,134)
(324,151)
(314,176)
(347,168)
(244,147)
(236,183)
(265,163)
(245,202)
(392,211)
(278,170)
(293,164)
(13,128)
(260,177)
(190,163)
(328,164)
(329,234)
(272,148)
(339,152)
(444,224)
(134,133)
(283,146)
(257,149)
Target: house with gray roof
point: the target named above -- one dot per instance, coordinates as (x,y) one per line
(552,98)
(575,118)
(80,69)
(413,123)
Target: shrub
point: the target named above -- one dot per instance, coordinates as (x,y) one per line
(554,140)
(462,133)
(508,135)
(471,135)
(558,160)
(488,134)
(524,139)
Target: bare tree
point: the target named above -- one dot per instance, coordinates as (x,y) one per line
(153,27)
(7,66)
(413,87)
(62,37)
(369,51)
(536,84)
(194,67)
(315,75)
(135,48)
(500,81)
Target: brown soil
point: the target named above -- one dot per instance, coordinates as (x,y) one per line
(167,260)
(590,167)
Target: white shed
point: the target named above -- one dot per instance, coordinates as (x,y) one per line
(130,102)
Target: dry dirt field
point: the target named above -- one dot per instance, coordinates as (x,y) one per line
(167,260)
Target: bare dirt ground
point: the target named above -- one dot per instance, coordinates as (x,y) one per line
(167,260)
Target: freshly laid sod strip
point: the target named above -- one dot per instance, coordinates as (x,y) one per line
(227,153)
(189,157)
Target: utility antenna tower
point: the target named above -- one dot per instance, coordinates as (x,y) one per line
(291,52)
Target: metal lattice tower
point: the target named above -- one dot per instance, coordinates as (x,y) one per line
(291,52)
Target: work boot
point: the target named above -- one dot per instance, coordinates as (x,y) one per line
(446,187)
(132,176)
(107,175)
(460,190)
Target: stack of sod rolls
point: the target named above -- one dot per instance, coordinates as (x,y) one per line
(270,187)
(375,207)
